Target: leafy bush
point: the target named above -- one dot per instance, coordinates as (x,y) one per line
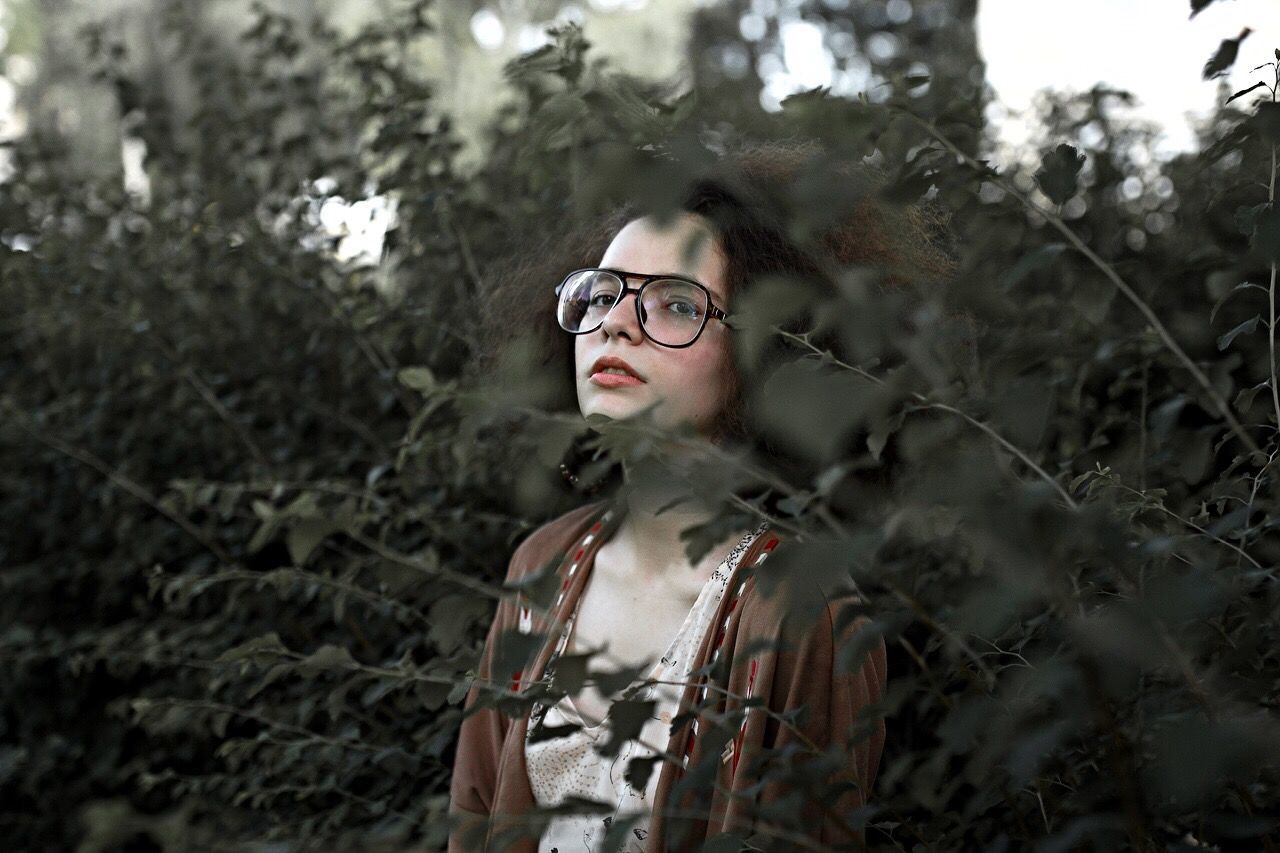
(260,501)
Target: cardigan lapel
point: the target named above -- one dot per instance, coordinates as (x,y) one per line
(514,793)
(684,743)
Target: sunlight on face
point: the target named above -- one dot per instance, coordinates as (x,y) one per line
(685,383)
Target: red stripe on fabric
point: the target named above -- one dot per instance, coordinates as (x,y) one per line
(578,556)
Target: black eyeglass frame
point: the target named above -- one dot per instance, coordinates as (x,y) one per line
(713,312)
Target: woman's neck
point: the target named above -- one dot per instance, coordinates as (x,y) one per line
(649,540)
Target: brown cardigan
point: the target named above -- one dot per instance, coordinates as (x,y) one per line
(489,773)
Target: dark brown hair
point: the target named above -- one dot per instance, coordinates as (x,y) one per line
(744,199)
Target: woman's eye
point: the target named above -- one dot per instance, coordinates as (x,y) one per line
(601,299)
(686,308)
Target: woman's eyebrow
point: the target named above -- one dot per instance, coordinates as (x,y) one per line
(719,297)
(714,292)
(676,275)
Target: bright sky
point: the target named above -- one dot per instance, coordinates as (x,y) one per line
(1150,47)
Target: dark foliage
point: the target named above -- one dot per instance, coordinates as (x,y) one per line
(258,502)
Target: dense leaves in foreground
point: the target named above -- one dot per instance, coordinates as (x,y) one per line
(258,505)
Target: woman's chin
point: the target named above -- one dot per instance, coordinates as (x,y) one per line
(608,412)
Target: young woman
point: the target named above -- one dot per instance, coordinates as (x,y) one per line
(644,328)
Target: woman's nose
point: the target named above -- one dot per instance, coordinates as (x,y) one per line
(622,318)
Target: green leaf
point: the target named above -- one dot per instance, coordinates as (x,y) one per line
(1021,406)
(812,409)
(1246,218)
(1059,173)
(570,673)
(459,692)
(611,682)
(418,378)
(1244,92)
(792,505)
(267,531)
(912,181)
(541,585)
(639,769)
(626,719)
(881,429)
(1039,258)
(449,618)
(378,690)
(514,653)
(266,648)
(1225,56)
(327,658)
(1244,328)
(432,694)
(1245,398)
(307,533)
(1244,285)
(539,732)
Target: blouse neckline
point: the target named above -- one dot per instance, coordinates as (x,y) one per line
(714,583)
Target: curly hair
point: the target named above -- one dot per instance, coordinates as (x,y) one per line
(744,198)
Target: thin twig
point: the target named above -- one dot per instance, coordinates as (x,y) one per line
(1271,291)
(925,403)
(1189,523)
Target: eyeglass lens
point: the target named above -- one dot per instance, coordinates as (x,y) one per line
(671,310)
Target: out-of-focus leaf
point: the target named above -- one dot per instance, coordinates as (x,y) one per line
(1247,326)
(1042,257)
(1244,399)
(639,769)
(626,718)
(1058,177)
(305,534)
(1021,408)
(1225,56)
(267,648)
(327,658)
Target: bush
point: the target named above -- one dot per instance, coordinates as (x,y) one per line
(260,500)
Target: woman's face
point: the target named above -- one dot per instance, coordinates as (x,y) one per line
(686,383)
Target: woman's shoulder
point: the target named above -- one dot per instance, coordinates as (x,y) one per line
(809,629)
(552,538)
(799,597)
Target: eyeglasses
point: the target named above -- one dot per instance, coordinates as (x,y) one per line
(672,310)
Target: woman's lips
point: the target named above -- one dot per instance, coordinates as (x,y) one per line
(614,380)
